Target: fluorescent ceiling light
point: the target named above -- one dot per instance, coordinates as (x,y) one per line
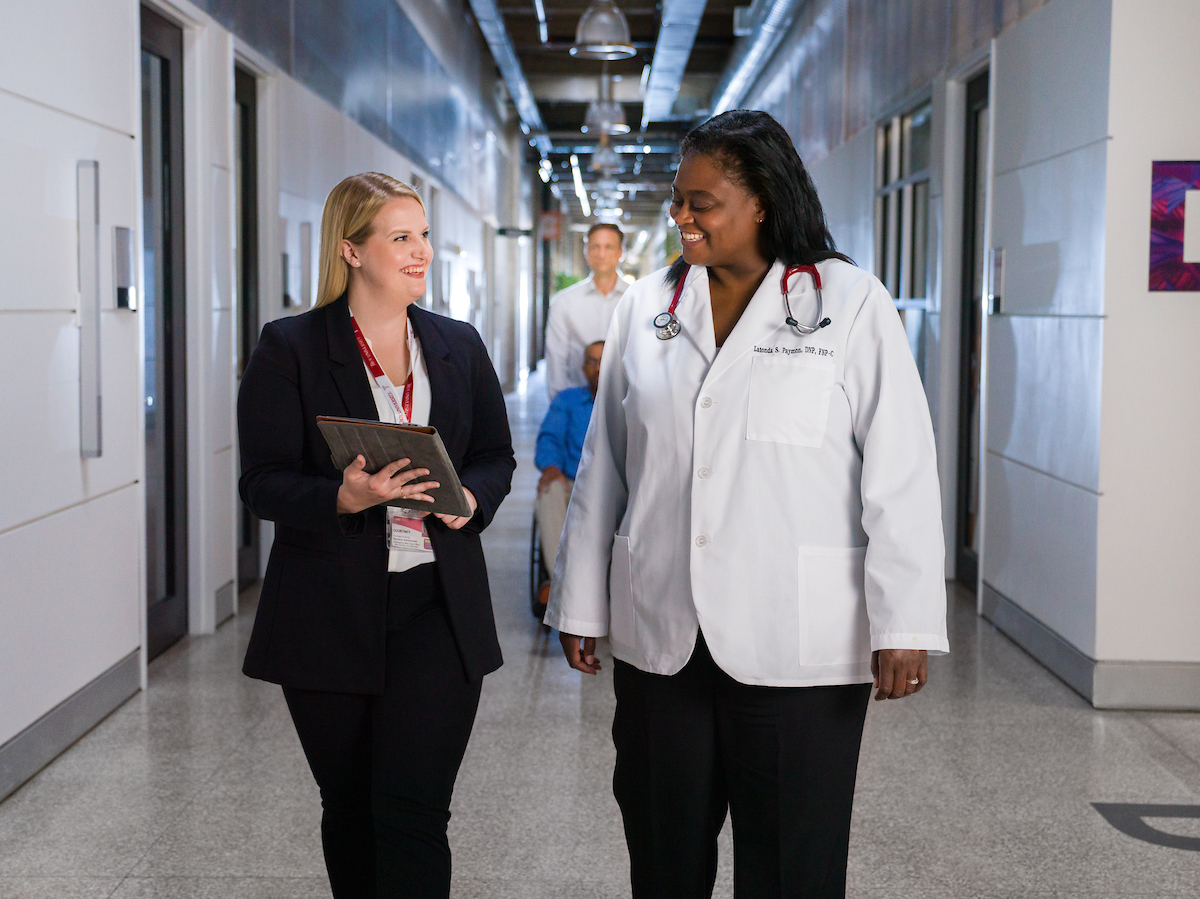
(579,190)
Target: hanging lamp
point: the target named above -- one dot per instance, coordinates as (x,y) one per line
(603,33)
(605,115)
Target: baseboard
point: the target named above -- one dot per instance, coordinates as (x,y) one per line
(1173,686)
(1147,685)
(39,744)
(1065,661)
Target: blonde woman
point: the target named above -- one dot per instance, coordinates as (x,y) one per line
(375,617)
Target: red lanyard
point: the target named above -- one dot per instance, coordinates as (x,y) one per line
(403,411)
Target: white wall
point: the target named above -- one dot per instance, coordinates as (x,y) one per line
(70,529)
(1050,127)
(1149,513)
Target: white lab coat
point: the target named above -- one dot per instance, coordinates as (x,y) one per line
(579,316)
(781,494)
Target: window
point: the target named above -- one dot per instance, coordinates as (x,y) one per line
(902,157)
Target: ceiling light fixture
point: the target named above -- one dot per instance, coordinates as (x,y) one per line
(603,33)
(607,160)
(579,189)
(605,115)
(543,31)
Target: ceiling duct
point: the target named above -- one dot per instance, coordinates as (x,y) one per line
(603,33)
(491,23)
(750,54)
(680,21)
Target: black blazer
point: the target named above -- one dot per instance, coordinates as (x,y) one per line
(321,621)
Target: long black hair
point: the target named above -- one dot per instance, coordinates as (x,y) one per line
(755,152)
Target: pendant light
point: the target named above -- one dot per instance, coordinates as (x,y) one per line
(603,33)
(605,115)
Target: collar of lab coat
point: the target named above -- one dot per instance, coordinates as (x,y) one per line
(760,322)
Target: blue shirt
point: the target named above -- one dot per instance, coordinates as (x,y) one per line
(560,439)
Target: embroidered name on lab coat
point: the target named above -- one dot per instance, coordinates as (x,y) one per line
(796,350)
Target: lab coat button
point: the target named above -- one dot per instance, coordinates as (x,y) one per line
(703,473)
(706,402)
(702,540)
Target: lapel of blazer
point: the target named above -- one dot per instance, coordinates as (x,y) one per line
(437,364)
(347,368)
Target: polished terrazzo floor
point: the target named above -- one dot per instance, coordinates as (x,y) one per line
(980,787)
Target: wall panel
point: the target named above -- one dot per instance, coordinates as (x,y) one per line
(1051,101)
(85,61)
(1049,217)
(1041,548)
(68,615)
(1044,396)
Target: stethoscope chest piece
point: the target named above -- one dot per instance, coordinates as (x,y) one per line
(666,325)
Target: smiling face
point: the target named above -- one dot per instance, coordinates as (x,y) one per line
(718,219)
(395,259)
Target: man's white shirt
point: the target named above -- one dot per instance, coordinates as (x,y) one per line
(579,316)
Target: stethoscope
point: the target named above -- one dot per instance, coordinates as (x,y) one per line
(666,325)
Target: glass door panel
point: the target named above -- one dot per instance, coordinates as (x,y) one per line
(165,386)
(974,254)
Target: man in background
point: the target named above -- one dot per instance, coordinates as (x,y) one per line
(579,315)
(559,446)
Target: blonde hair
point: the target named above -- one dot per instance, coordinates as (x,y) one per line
(349,214)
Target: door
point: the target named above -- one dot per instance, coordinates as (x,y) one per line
(245,119)
(973,309)
(163,319)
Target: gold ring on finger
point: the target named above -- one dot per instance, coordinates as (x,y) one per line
(914,681)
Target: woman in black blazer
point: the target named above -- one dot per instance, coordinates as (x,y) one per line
(380,644)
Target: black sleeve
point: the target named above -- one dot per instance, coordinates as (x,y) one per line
(271,437)
(488,464)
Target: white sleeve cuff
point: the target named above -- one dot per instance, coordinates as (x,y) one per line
(934,644)
(576,626)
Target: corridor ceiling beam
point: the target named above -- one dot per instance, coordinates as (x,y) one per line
(677,34)
(491,23)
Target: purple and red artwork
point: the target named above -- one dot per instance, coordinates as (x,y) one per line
(1169,185)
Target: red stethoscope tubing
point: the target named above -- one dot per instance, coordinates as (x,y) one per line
(670,324)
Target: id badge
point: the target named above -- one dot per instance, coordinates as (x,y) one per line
(407,532)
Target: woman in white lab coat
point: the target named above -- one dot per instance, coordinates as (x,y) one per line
(756,527)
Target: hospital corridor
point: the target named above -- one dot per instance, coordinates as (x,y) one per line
(599,449)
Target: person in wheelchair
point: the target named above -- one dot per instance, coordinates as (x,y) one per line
(559,445)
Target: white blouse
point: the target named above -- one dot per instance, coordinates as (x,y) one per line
(403,559)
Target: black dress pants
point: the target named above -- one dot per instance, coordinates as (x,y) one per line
(386,764)
(781,759)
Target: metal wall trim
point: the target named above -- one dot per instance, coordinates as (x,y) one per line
(1062,658)
(43,741)
(1172,686)
(87,183)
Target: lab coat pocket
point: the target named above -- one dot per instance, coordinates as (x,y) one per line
(620,593)
(834,628)
(789,399)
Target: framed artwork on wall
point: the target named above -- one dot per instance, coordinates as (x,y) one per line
(1174,242)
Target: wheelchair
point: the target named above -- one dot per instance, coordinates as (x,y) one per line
(538,574)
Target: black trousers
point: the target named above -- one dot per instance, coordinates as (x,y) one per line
(781,759)
(386,764)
